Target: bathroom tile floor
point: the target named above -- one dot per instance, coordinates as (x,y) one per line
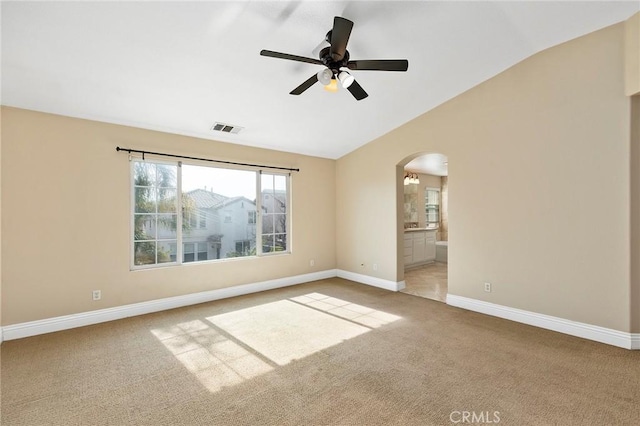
(428,281)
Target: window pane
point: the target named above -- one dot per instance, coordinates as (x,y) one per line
(164,252)
(274,215)
(145,199)
(268,223)
(266,181)
(268,245)
(166,176)
(154,195)
(280,183)
(144,227)
(279,223)
(202,251)
(280,243)
(167,226)
(167,200)
(145,253)
(144,174)
(216,204)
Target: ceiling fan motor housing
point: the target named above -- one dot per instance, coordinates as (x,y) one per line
(329,62)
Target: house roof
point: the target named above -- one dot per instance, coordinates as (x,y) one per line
(233,200)
(180,67)
(211,200)
(205,199)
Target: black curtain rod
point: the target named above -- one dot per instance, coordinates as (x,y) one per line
(129,150)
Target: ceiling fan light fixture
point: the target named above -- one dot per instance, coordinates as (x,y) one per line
(332,86)
(336,59)
(346,79)
(325,76)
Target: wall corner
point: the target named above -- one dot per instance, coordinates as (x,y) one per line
(632,55)
(634,215)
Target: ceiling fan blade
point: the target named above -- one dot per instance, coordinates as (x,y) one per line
(379,65)
(304,86)
(279,55)
(340,37)
(357,91)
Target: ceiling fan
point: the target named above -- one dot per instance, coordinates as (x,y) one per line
(335,59)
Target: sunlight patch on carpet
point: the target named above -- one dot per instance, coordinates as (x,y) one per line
(343,309)
(211,357)
(243,344)
(287,330)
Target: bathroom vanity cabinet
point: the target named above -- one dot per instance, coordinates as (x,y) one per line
(419,247)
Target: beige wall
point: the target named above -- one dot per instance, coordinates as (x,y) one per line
(532,153)
(62,180)
(632,55)
(0,223)
(635,214)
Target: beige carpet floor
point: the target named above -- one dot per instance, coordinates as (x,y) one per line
(330,352)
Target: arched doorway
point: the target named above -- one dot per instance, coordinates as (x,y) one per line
(424,225)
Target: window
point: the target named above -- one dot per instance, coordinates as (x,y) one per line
(194,251)
(432,207)
(243,247)
(274,227)
(225,213)
(195,219)
(155,215)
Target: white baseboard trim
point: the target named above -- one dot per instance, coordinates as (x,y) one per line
(635,341)
(573,328)
(372,281)
(49,325)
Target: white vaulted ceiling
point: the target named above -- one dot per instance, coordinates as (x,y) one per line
(181,66)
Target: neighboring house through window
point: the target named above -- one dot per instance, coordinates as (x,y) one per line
(219,213)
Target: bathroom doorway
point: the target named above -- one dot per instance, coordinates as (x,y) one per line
(425,226)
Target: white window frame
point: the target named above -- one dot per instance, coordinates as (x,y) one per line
(132,188)
(179,219)
(259,214)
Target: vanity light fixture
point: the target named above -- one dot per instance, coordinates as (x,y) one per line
(411,178)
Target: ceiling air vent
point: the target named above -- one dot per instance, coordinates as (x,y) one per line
(227,128)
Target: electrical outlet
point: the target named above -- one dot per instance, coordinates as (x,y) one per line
(487,287)
(97,294)
(312,262)
(375,266)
